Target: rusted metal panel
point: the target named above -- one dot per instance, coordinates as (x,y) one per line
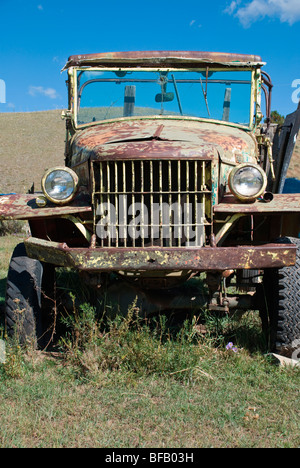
(154,150)
(158,259)
(25,207)
(149,58)
(281,203)
(137,138)
(286,144)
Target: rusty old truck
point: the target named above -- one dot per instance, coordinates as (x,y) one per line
(171,172)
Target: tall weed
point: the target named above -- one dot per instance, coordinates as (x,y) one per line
(9,227)
(131,344)
(13,366)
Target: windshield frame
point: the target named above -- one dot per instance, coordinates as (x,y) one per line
(255,94)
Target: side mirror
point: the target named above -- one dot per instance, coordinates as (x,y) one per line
(165,97)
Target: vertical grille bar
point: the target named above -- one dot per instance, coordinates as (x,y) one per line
(133,195)
(160,202)
(101,193)
(109,227)
(171,221)
(151,205)
(179,203)
(142,212)
(196,201)
(187,167)
(116,201)
(124,204)
(203,188)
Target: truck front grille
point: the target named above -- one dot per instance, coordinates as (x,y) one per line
(141,203)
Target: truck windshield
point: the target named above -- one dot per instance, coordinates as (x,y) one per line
(220,95)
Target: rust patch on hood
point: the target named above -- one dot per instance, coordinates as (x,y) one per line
(163,138)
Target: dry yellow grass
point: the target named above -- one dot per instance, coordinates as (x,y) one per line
(29,143)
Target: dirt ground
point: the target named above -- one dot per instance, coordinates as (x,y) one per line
(32,142)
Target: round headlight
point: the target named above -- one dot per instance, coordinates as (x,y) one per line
(59,185)
(247,182)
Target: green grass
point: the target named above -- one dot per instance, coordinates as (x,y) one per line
(235,401)
(131,382)
(7,244)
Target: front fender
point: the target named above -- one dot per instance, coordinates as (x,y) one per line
(24,207)
(284,206)
(280,204)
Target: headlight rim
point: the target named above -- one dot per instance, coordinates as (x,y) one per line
(240,196)
(74,177)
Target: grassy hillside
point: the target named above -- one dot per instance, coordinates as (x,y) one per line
(294,169)
(29,143)
(34,141)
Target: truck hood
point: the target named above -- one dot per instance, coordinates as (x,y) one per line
(164,138)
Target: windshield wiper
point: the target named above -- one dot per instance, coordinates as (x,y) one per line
(177,94)
(205,90)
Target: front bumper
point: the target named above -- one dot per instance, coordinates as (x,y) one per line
(164,258)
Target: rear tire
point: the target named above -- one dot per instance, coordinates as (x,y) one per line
(27,309)
(281,305)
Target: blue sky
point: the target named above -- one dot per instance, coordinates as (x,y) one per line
(37,36)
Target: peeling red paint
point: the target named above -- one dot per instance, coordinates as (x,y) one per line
(148,58)
(25,207)
(176,139)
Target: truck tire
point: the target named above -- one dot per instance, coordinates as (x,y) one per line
(26,307)
(281,304)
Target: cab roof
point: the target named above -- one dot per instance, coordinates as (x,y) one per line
(163,58)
